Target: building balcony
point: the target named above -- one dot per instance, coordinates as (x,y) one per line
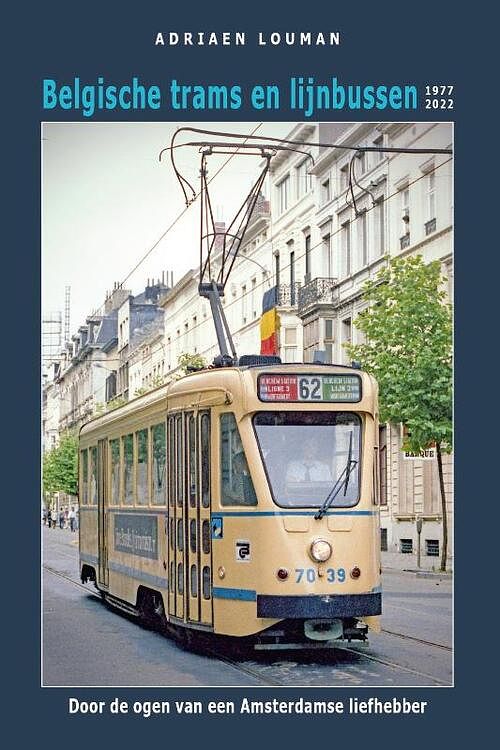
(430,227)
(316,292)
(404,241)
(287,295)
(283,295)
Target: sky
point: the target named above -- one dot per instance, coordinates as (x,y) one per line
(107,199)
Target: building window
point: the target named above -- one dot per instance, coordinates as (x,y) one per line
(431,195)
(110,386)
(405,210)
(244,304)
(277,268)
(253,298)
(378,155)
(290,351)
(346,247)
(328,340)
(363,239)
(308,257)
(327,256)
(304,181)
(326,193)
(292,273)
(344,177)
(383,540)
(432,547)
(346,337)
(311,339)
(406,546)
(361,157)
(283,194)
(379,228)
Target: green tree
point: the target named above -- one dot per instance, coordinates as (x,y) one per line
(60,467)
(156,382)
(189,362)
(408,331)
(115,403)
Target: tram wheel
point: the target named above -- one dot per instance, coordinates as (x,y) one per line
(151,610)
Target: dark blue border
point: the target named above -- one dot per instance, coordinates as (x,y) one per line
(429,41)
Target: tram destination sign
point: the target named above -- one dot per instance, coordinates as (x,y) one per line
(309,388)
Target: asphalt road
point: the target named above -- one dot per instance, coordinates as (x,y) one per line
(85,643)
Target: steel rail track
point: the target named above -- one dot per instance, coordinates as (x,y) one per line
(236,665)
(404,636)
(417,640)
(272,683)
(394,665)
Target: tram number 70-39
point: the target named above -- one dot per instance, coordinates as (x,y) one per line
(309,574)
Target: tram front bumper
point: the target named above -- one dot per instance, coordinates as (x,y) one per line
(319,606)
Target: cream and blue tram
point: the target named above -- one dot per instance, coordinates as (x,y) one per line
(239,501)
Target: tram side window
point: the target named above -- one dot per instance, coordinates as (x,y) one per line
(115,471)
(142,467)
(236,482)
(205,460)
(172,467)
(93,476)
(159,464)
(179,458)
(191,425)
(84,476)
(128,469)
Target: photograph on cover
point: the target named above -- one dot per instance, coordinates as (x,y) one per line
(247,404)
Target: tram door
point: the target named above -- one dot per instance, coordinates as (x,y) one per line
(102,508)
(190,554)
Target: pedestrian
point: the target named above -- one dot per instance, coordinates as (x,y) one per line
(72,519)
(66,517)
(53,518)
(44,516)
(61,518)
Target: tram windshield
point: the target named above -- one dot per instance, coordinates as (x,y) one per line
(306,453)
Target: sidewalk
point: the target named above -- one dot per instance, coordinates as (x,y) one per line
(390,561)
(429,566)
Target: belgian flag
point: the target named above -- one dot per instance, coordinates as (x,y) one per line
(269,323)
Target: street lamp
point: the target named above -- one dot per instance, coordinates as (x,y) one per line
(102,367)
(419,532)
(265,270)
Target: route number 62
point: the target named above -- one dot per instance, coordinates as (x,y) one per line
(310,389)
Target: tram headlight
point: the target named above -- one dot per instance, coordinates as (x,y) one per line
(320,550)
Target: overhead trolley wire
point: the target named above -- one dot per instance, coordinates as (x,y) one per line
(298,257)
(318,245)
(174,222)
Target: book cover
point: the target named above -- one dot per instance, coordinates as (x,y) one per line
(304,168)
